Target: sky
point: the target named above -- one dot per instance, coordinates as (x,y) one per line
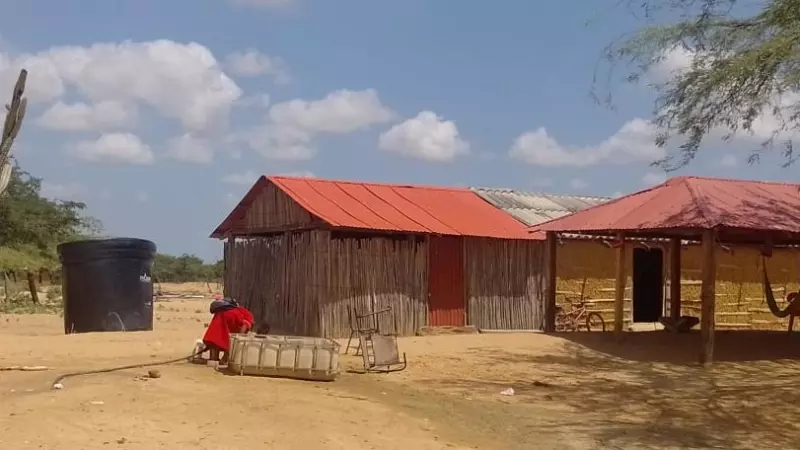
(159,115)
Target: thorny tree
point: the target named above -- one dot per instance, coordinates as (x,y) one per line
(743,63)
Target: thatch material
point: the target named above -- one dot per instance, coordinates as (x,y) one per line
(505,283)
(740,298)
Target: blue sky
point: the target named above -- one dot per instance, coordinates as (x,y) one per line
(159,114)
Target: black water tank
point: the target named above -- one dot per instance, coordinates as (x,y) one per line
(106,285)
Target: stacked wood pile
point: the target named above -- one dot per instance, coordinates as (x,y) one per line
(505,283)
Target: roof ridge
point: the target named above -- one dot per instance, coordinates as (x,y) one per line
(735,180)
(370,183)
(540,193)
(699,202)
(533,228)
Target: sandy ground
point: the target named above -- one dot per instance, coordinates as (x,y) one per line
(580,391)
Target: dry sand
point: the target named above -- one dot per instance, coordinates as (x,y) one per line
(571,392)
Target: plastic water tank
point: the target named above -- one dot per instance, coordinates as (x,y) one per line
(106,285)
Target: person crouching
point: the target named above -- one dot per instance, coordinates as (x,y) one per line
(228,318)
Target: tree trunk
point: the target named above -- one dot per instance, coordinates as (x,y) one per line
(5,285)
(32,287)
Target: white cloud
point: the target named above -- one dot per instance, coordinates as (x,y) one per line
(764,127)
(426,137)
(190,148)
(101,116)
(728,161)
(290,127)
(654,178)
(252,63)
(180,81)
(672,63)
(634,141)
(577,183)
(114,148)
(57,191)
(243,179)
(340,112)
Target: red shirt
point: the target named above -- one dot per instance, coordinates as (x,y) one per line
(224,323)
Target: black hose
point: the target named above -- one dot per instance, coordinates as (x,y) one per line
(131,366)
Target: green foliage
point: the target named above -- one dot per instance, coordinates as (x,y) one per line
(184,268)
(744,64)
(31,226)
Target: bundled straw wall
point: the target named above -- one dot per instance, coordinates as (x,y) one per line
(588,266)
(740,298)
(505,283)
(740,295)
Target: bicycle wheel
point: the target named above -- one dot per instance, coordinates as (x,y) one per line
(595,322)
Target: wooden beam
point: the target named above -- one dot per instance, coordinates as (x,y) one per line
(619,287)
(708,275)
(675,278)
(226,256)
(551,244)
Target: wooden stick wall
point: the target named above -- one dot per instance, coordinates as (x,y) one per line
(505,283)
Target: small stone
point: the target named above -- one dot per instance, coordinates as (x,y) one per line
(154,374)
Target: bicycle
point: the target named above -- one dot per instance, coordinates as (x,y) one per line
(578,315)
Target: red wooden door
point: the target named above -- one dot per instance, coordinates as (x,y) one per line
(446,281)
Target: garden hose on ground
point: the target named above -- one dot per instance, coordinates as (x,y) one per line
(57,382)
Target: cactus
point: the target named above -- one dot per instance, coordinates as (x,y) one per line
(15,112)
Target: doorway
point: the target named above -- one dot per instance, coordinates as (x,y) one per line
(648,284)
(446,281)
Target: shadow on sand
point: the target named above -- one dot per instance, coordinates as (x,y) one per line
(648,392)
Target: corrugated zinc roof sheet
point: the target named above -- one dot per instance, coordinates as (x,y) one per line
(692,203)
(396,208)
(535,208)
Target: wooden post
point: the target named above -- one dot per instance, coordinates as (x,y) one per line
(227,253)
(619,291)
(675,278)
(32,287)
(708,274)
(550,293)
(466,278)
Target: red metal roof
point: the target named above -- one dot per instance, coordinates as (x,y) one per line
(391,207)
(692,203)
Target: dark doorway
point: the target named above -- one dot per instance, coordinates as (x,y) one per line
(648,284)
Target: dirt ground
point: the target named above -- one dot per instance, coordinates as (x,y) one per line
(579,391)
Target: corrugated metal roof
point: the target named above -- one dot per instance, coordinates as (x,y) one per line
(692,203)
(392,207)
(535,208)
